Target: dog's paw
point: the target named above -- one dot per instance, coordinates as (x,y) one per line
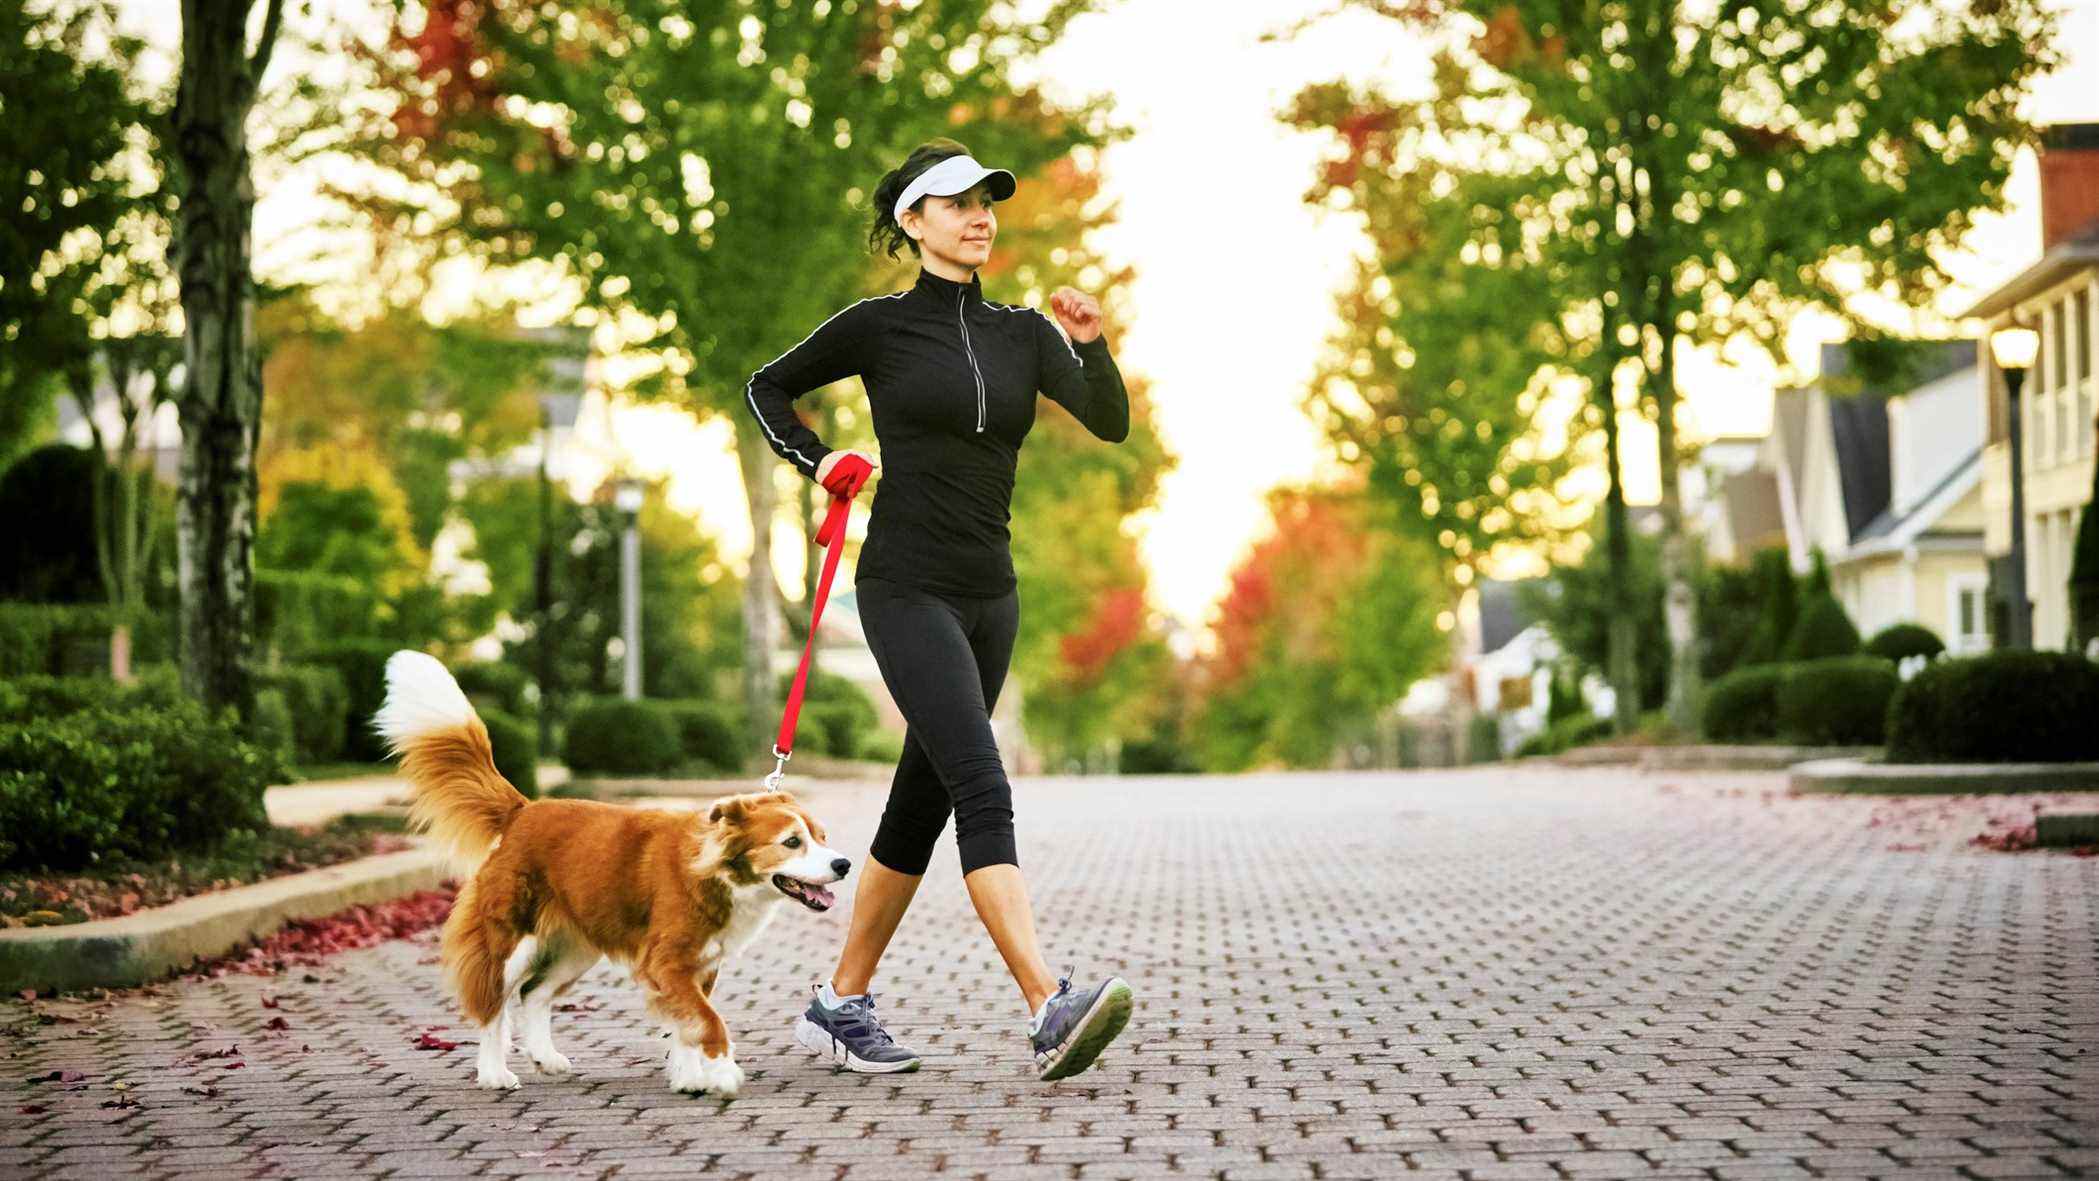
(725,1077)
(497,1078)
(686,1070)
(551,1061)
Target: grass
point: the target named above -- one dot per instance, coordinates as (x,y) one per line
(315,772)
(45,898)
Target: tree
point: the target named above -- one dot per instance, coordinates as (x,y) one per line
(1735,166)
(703,170)
(221,401)
(1327,621)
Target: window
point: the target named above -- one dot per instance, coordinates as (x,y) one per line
(2081,330)
(1970,624)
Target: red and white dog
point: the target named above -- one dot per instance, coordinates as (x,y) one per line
(556,885)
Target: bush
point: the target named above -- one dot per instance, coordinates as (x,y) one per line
(831,689)
(1900,641)
(496,685)
(36,698)
(515,743)
(47,551)
(139,782)
(1743,705)
(832,728)
(1842,701)
(320,708)
(1569,732)
(2021,707)
(1823,631)
(1483,739)
(612,736)
(44,638)
(298,611)
(362,666)
(707,732)
(1138,758)
(270,726)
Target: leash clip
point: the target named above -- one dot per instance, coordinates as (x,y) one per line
(772,780)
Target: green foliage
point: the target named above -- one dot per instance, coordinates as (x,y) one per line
(1900,641)
(613,736)
(41,696)
(320,708)
(319,529)
(496,685)
(67,639)
(1576,729)
(1838,701)
(835,713)
(138,782)
(1575,604)
(1823,630)
(47,550)
(515,743)
(297,611)
(1563,698)
(1743,705)
(270,725)
(1483,739)
(887,746)
(709,733)
(2084,572)
(362,666)
(1779,609)
(2000,707)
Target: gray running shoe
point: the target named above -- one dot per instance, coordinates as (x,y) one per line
(852,1037)
(1077,1026)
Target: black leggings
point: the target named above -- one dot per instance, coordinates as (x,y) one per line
(944,660)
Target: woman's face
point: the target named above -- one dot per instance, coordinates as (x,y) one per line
(957,230)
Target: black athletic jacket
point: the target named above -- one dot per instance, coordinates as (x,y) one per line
(951,380)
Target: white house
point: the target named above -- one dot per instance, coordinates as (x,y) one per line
(2059,297)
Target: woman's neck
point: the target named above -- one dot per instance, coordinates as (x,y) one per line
(953,272)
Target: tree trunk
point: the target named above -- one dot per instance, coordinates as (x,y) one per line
(760,611)
(221,402)
(1679,597)
(1622,636)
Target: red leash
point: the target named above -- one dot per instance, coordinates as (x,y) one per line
(831,534)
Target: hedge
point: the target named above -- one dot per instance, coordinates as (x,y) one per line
(1743,705)
(49,638)
(1574,730)
(362,666)
(707,732)
(496,685)
(1841,701)
(320,708)
(2000,707)
(140,782)
(613,736)
(1823,630)
(515,743)
(1900,641)
(40,697)
(298,611)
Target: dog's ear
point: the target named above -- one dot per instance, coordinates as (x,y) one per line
(732,809)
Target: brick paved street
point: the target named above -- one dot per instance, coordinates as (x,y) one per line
(1489,975)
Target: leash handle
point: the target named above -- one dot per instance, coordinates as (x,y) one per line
(831,535)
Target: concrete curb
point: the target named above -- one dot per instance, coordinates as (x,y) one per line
(1705,758)
(1858,777)
(2062,829)
(135,949)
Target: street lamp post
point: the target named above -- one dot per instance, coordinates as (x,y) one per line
(628,498)
(2014,350)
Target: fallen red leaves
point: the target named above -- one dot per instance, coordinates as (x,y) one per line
(312,941)
(430,1041)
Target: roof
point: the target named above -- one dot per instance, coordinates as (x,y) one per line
(2065,258)
(1858,431)
(1891,530)
(1502,617)
(1754,518)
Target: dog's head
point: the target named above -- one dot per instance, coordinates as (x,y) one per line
(770,837)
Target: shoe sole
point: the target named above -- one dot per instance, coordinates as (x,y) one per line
(1110,1012)
(813,1037)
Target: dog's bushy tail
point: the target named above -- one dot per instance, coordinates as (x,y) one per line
(456,793)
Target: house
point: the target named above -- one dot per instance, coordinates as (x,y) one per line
(2059,297)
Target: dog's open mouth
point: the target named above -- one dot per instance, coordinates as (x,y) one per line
(809,894)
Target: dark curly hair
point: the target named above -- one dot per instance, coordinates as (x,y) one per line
(886,235)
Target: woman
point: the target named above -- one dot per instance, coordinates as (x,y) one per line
(951,380)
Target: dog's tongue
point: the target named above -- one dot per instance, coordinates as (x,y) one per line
(818,893)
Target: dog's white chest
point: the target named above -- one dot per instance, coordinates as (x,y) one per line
(747,918)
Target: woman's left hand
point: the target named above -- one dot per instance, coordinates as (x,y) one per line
(1078,313)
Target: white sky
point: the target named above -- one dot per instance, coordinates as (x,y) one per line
(1235,273)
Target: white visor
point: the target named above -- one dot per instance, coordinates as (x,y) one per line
(954,175)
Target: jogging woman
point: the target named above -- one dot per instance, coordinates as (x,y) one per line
(951,380)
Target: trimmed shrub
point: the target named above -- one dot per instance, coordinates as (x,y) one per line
(613,736)
(831,689)
(270,727)
(47,551)
(1900,641)
(515,743)
(496,685)
(320,708)
(362,666)
(2000,707)
(707,732)
(37,698)
(1138,758)
(1483,739)
(1743,705)
(1566,734)
(45,638)
(832,728)
(140,782)
(297,611)
(1842,701)
(1823,631)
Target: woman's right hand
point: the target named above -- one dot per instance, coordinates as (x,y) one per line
(843,472)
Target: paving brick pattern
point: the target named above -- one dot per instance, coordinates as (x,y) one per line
(1538,974)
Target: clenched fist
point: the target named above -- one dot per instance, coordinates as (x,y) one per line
(1078,313)
(843,472)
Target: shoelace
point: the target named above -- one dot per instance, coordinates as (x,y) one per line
(856,1019)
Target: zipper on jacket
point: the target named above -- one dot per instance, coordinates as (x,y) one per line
(962,298)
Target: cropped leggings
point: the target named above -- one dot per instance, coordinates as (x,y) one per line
(944,660)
